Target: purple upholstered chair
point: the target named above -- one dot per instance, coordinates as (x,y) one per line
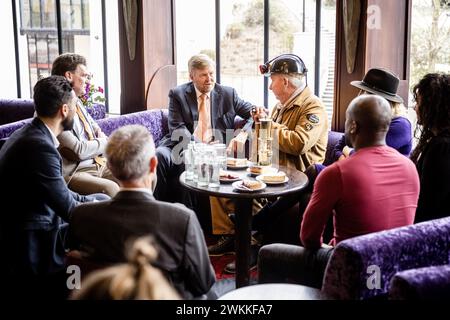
(428,283)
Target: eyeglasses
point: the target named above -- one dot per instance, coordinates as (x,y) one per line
(87,76)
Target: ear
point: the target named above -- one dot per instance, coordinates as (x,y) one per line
(68,76)
(153,164)
(65,109)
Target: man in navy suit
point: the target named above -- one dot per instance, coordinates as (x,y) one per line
(221,104)
(36,202)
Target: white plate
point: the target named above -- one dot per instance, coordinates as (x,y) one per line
(260,178)
(226,180)
(237,167)
(238,186)
(268,170)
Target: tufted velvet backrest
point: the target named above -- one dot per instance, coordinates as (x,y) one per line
(12,110)
(349,269)
(154,120)
(333,139)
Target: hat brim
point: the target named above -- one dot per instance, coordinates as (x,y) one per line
(362,86)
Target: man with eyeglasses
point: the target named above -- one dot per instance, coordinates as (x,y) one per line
(84,167)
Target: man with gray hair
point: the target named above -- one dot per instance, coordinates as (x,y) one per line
(103,228)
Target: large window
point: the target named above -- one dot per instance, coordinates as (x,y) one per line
(430,33)
(195,32)
(243,45)
(81,29)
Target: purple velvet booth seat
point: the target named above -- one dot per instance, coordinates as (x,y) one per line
(354,260)
(428,283)
(333,139)
(362,267)
(22,111)
(154,120)
(12,110)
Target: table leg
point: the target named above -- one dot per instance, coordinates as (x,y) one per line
(243,238)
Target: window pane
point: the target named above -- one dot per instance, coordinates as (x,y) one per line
(39,32)
(8,86)
(242,47)
(195,30)
(327,55)
(430,48)
(292,30)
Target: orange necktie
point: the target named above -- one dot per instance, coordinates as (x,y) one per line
(202,132)
(87,127)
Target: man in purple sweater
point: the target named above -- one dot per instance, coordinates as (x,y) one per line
(376,189)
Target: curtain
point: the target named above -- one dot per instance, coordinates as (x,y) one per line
(130,15)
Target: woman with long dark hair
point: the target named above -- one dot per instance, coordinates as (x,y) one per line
(432,154)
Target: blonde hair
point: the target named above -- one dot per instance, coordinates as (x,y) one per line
(398,109)
(200,61)
(136,280)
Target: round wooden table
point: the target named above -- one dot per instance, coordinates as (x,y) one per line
(243,211)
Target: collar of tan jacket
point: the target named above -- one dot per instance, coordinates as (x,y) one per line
(299,97)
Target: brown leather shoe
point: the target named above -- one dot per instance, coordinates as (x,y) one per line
(231,267)
(225,245)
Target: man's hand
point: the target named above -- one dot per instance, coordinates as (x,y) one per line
(237,144)
(259,112)
(99,133)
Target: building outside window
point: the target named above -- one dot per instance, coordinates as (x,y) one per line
(292,26)
(82,29)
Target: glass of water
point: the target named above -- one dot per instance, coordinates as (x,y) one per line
(202,167)
(213,167)
(221,155)
(188,156)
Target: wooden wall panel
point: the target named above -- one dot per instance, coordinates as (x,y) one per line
(159,50)
(343,91)
(386,47)
(155,57)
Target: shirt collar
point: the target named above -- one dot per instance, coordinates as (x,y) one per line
(198,93)
(55,140)
(294,95)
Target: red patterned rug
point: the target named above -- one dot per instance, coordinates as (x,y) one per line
(220,262)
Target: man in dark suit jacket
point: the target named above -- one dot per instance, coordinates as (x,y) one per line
(222,105)
(103,229)
(35,199)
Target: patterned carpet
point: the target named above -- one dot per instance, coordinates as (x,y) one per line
(220,262)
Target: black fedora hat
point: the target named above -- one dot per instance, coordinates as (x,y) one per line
(380,82)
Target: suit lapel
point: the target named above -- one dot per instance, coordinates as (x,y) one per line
(191,98)
(216,105)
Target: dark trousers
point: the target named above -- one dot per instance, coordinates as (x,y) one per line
(279,263)
(169,189)
(168,172)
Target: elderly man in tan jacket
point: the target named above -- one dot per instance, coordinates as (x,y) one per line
(299,121)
